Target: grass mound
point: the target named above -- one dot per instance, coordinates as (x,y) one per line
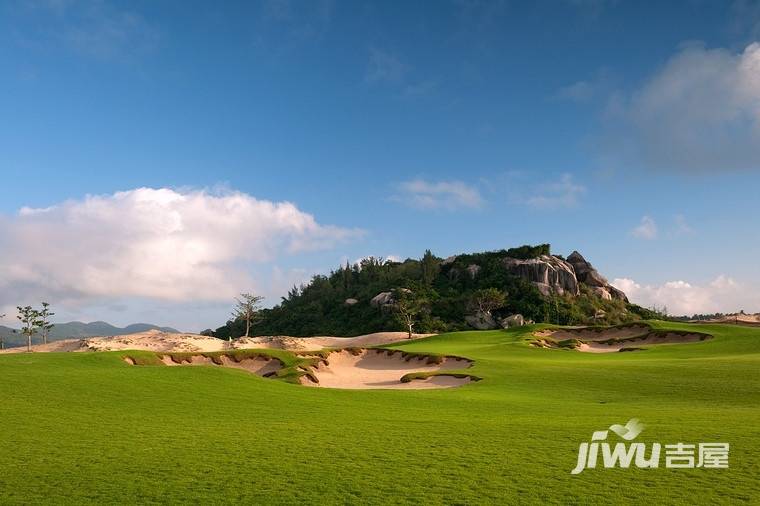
(87,428)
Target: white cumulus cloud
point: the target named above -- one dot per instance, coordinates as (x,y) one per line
(155,243)
(722,294)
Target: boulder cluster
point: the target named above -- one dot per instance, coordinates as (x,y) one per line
(486,321)
(552,274)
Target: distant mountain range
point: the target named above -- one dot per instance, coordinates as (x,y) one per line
(74,330)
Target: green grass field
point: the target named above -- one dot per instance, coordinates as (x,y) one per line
(88,428)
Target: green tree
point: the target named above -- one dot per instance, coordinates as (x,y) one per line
(346,275)
(30,322)
(408,308)
(247,308)
(45,325)
(486,300)
(430,268)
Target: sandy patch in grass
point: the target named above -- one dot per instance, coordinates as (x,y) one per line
(595,333)
(371,369)
(651,339)
(614,339)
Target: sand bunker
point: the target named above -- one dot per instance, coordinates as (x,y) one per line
(595,333)
(373,368)
(612,339)
(166,342)
(354,368)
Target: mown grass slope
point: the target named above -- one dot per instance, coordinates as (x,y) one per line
(88,428)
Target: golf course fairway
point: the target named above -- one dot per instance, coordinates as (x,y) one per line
(88,428)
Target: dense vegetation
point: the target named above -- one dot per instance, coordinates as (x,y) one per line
(446,287)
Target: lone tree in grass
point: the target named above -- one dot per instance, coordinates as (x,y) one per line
(2,340)
(30,322)
(486,300)
(45,325)
(408,308)
(247,309)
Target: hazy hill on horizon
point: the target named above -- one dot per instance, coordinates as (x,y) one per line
(76,329)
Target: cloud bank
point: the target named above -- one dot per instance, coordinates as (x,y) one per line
(722,294)
(162,244)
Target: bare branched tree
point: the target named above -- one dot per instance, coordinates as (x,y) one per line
(247,308)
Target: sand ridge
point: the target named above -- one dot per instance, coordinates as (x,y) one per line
(751,320)
(167,342)
(322,342)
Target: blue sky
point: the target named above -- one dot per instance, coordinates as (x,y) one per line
(626,130)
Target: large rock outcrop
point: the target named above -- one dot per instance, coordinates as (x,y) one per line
(587,275)
(547,272)
(386,299)
(515,320)
(382,299)
(482,321)
(554,275)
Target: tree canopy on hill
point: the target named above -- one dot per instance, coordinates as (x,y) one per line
(323,306)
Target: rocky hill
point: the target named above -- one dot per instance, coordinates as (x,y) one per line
(364,298)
